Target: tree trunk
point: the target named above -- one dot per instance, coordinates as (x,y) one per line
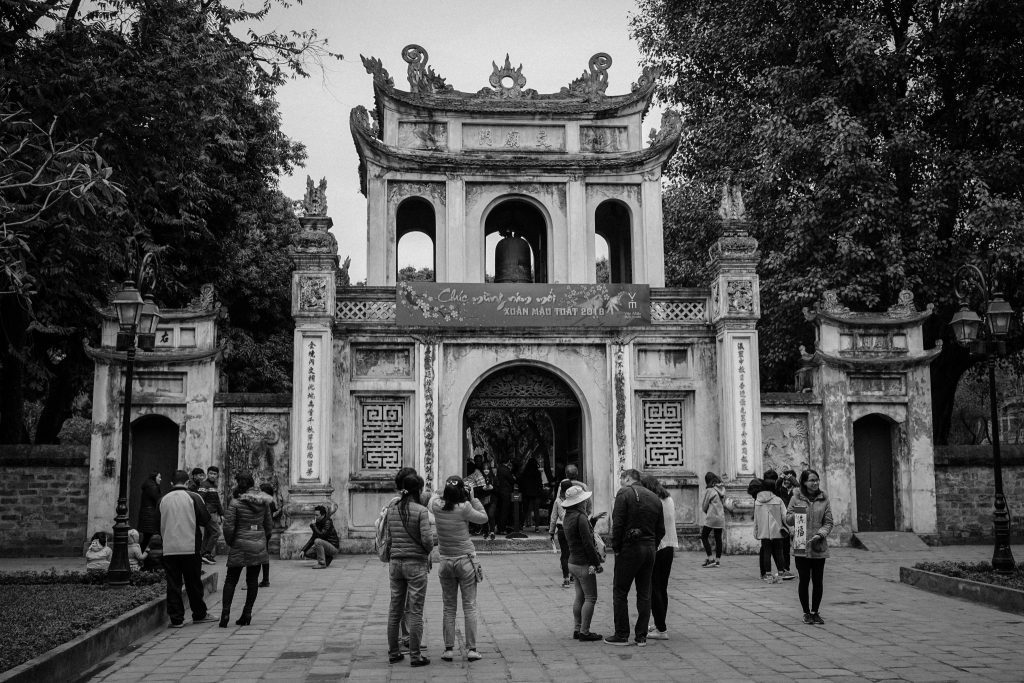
(14,326)
(946,371)
(57,404)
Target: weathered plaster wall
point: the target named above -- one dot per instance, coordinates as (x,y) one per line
(43,501)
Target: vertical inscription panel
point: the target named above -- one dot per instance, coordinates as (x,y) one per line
(309,416)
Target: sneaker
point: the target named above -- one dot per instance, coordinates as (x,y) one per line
(204,619)
(616,640)
(589,637)
(397,657)
(419,661)
(717,564)
(766,578)
(473,655)
(816,618)
(448,654)
(176,624)
(708,563)
(641,641)
(264,584)
(207,560)
(655,634)
(575,635)
(786,575)
(566,583)
(319,565)
(808,619)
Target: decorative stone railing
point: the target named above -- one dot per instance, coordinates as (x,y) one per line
(377,305)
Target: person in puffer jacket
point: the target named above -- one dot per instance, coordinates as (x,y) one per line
(810,543)
(97,554)
(247,528)
(411,543)
(769,528)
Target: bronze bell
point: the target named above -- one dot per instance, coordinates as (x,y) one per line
(512,259)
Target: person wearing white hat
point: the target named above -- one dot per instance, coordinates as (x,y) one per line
(584,561)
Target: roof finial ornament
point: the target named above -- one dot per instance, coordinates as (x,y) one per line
(731,208)
(315,201)
(422,79)
(592,85)
(507,83)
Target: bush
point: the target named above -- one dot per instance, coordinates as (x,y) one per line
(975,571)
(33,623)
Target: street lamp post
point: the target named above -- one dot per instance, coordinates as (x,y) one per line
(987,337)
(137,319)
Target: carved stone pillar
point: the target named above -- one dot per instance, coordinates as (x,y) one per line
(314,253)
(735,309)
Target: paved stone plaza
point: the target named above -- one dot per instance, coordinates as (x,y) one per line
(725,625)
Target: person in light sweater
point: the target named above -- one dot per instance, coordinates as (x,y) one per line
(662,559)
(454,511)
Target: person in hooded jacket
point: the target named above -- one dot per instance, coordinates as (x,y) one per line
(97,553)
(149,509)
(247,528)
(810,543)
(713,506)
(769,528)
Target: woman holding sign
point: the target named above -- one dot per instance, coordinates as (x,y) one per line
(810,517)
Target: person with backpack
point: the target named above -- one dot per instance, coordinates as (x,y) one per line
(454,511)
(411,543)
(769,528)
(713,506)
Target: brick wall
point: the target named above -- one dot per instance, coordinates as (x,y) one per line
(964,490)
(44,493)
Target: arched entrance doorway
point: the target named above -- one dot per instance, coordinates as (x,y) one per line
(154,449)
(872,452)
(524,412)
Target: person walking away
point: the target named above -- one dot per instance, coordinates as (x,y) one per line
(210,492)
(505,484)
(136,555)
(97,553)
(663,557)
(713,506)
(585,563)
(411,544)
(769,528)
(454,511)
(323,543)
(556,527)
(274,515)
(638,526)
(183,516)
(247,527)
(149,509)
(784,490)
(810,517)
(531,485)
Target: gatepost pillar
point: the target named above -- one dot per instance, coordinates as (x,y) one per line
(314,254)
(735,310)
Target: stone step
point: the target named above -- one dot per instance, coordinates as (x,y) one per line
(888,541)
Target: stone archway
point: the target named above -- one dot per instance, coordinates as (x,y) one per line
(524,411)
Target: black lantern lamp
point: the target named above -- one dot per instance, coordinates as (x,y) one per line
(989,341)
(137,318)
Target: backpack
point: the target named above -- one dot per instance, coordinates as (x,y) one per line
(382,535)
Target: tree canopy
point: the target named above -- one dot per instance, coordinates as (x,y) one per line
(880,144)
(153,119)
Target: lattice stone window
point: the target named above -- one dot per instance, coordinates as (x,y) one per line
(382,432)
(662,427)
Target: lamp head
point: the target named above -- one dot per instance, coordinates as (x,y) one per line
(965,325)
(128,304)
(999,316)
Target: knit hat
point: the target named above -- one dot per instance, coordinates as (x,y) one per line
(575,495)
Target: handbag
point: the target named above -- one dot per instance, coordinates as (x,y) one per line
(479,571)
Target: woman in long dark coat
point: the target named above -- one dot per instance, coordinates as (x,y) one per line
(149,509)
(247,528)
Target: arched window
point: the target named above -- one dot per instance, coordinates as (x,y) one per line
(416,240)
(526,221)
(612,223)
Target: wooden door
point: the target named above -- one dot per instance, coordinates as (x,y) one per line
(154,449)
(872,450)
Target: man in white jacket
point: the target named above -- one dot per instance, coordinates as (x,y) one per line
(183,515)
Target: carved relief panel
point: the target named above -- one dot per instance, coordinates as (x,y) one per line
(423,135)
(382,428)
(258,444)
(785,441)
(397,191)
(604,139)
(312,293)
(663,428)
(369,362)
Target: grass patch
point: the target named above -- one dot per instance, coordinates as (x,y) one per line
(42,610)
(975,571)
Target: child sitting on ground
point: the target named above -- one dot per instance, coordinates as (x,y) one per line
(97,555)
(154,554)
(135,555)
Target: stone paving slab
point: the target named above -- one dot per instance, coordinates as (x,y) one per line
(724,625)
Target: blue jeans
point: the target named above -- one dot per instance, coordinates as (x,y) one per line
(586,597)
(408,591)
(458,573)
(634,563)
